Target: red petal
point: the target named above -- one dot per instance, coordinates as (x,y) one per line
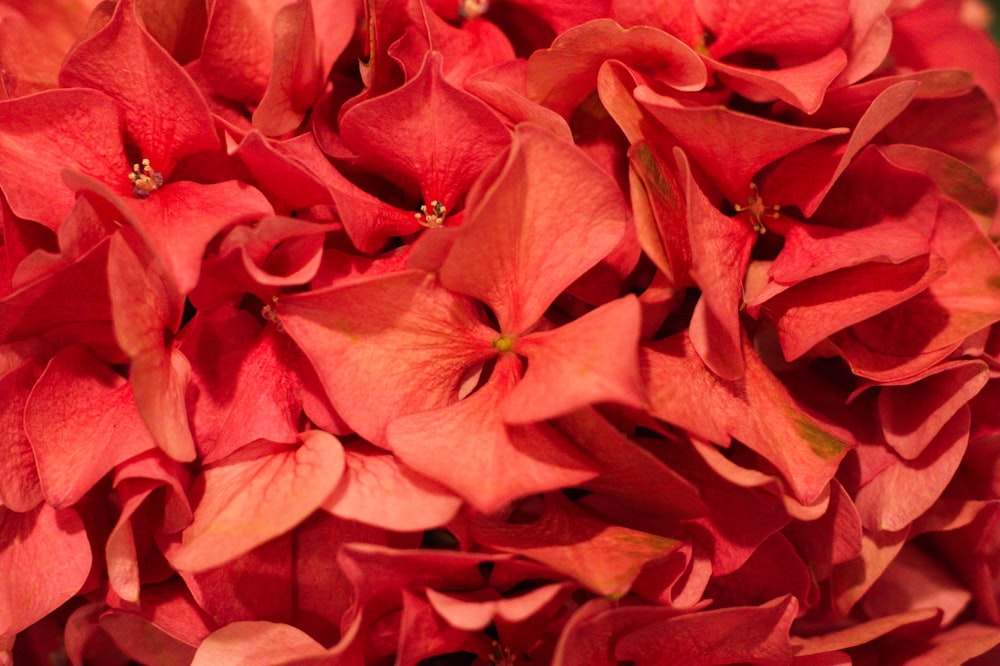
(46,557)
(774,569)
(255,495)
(123,61)
(562,76)
(832,539)
(802,86)
(603,557)
(757,410)
(630,474)
(904,490)
(599,352)
(144,305)
(41,135)
(400,331)
(720,252)
(914,410)
(427,136)
(728,635)
(490,463)
(865,632)
(78,398)
(243,381)
(19,486)
(796,28)
(529,234)
(731,147)
(296,80)
(377,490)
(256,644)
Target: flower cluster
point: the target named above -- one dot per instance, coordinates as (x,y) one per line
(511,332)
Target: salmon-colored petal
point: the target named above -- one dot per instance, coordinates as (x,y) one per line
(378,490)
(599,351)
(46,555)
(256,643)
(164,128)
(20,489)
(604,557)
(400,330)
(79,398)
(492,462)
(257,494)
(529,233)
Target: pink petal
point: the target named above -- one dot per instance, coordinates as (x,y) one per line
(757,410)
(46,557)
(427,136)
(491,462)
(40,136)
(562,76)
(123,61)
(731,147)
(473,612)
(529,234)
(400,330)
(378,490)
(255,495)
(79,398)
(599,351)
(605,558)
(256,644)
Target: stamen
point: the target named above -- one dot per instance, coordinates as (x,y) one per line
(755,206)
(471,9)
(269,313)
(502,655)
(434,218)
(145,181)
(503,344)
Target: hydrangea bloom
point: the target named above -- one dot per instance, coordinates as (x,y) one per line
(430,332)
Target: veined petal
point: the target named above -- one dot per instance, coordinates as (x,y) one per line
(756,409)
(258,493)
(489,463)
(590,360)
(548,216)
(386,346)
(125,62)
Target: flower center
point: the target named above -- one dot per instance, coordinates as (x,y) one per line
(504,343)
(756,208)
(433,218)
(144,180)
(470,9)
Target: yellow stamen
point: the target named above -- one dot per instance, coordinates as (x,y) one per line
(434,218)
(755,206)
(470,9)
(504,343)
(145,181)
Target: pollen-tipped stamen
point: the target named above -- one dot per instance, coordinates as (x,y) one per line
(471,9)
(504,343)
(756,208)
(433,218)
(145,181)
